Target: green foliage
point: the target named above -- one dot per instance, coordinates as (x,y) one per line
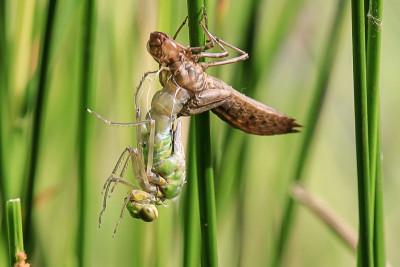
(313,113)
(56,59)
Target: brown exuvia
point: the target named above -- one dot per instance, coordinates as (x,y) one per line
(181,70)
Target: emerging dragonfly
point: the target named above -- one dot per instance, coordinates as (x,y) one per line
(158,160)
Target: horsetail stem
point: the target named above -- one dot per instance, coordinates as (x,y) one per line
(15,237)
(204,157)
(365,249)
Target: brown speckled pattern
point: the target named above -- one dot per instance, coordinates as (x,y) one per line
(249,115)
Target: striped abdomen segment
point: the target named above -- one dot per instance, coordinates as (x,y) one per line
(251,116)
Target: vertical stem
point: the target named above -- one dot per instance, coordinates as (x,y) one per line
(204,156)
(361,126)
(313,113)
(206,192)
(14,224)
(374,18)
(3,95)
(379,234)
(3,113)
(82,130)
(34,151)
(3,110)
(191,223)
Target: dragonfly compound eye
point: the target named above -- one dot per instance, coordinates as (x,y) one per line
(148,213)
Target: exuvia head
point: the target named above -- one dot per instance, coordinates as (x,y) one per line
(164,49)
(145,212)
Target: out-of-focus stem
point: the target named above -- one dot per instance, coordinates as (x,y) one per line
(313,113)
(15,237)
(83,129)
(39,107)
(324,212)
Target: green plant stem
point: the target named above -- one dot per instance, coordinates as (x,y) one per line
(40,102)
(191,221)
(361,126)
(204,155)
(3,111)
(373,64)
(379,236)
(374,28)
(14,224)
(3,95)
(82,130)
(366,9)
(206,192)
(313,113)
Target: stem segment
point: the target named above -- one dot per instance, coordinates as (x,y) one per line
(38,117)
(361,126)
(15,237)
(374,17)
(204,155)
(83,129)
(191,223)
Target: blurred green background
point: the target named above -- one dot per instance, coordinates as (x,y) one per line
(285,48)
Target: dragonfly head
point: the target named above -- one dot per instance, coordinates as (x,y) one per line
(145,212)
(163,48)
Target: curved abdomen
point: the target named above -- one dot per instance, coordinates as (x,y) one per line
(168,160)
(249,115)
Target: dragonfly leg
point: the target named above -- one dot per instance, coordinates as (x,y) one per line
(140,172)
(180,27)
(113,178)
(210,40)
(220,43)
(115,170)
(242,57)
(117,123)
(121,216)
(122,173)
(205,100)
(151,147)
(150,176)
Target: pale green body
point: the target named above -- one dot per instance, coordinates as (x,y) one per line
(167,162)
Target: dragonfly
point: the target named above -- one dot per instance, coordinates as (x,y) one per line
(158,160)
